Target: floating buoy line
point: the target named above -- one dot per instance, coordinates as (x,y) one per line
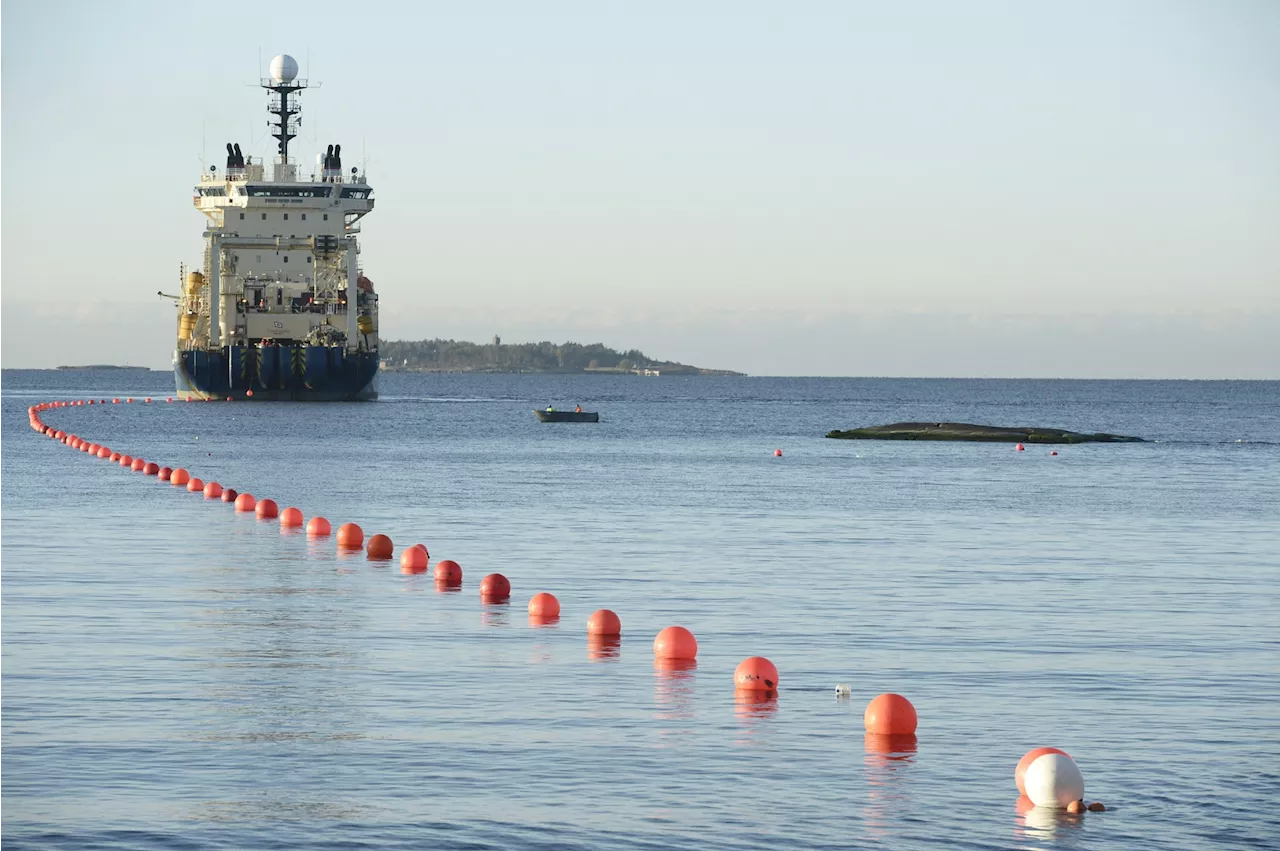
(1045,777)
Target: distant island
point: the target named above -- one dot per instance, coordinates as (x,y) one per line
(108,366)
(460,356)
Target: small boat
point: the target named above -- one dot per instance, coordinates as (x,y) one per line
(567,416)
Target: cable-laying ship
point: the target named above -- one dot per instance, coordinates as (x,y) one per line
(281,309)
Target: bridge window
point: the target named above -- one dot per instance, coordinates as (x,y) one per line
(304,217)
(242,217)
(264,217)
(286,217)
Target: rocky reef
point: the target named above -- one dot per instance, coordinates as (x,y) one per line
(977,433)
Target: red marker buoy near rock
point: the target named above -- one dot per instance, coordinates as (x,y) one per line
(266,509)
(1054,452)
(380,548)
(495,588)
(245,502)
(212,490)
(604,622)
(1019,448)
(544,605)
(317,527)
(777,453)
(890,714)
(350,537)
(290,518)
(756,673)
(448,572)
(675,642)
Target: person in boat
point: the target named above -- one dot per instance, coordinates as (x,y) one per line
(550,410)
(577,409)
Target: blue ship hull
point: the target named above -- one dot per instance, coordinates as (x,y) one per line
(276,373)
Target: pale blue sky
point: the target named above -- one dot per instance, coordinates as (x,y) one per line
(819,188)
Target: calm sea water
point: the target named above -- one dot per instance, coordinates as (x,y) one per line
(179,676)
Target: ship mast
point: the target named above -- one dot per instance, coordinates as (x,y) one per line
(282,83)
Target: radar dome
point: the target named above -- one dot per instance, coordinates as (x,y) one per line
(284,68)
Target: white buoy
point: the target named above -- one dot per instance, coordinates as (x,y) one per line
(843,690)
(1053,780)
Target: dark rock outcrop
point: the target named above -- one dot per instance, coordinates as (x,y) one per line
(978,433)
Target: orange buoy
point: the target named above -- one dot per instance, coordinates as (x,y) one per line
(777,453)
(424,549)
(890,714)
(1054,452)
(151,469)
(1019,448)
(1020,771)
(248,392)
(138,465)
(449,572)
(129,400)
(60,434)
(290,518)
(115,401)
(164,474)
(756,673)
(229,495)
(318,527)
(179,477)
(148,400)
(350,537)
(88,447)
(212,490)
(168,398)
(544,605)
(245,502)
(604,622)
(380,548)
(228,398)
(115,456)
(1075,807)
(126,460)
(194,485)
(1096,807)
(266,509)
(675,642)
(495,588)
(413,560)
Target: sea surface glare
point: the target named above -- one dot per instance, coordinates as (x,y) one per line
(177,675)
